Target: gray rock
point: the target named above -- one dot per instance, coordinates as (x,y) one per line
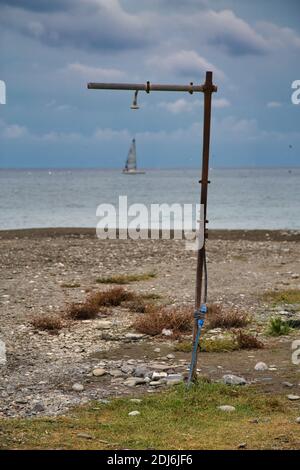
(115,373)
(261,366)
(141,371)
(226,408)
(133,381)
(127,369)
(134,413)
(174,379)
(134,336)
(170,356)
(77,387)
(287,384)
(231,379)
(38,408)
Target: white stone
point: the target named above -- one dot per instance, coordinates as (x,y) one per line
(2,353)
(231,379)
(261,366)
(167,332)
(103,325)
(78,387)
(227,408)
(134,413)
(293,397)
(99,372)
(159,375)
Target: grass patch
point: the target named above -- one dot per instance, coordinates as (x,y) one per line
(178,419)
(125,278)
(179,320)
(216,345)
(51,323)
(291,296)
(278,327)
(70,285)
(231,318)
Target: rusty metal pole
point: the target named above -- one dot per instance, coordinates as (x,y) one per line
(209,88)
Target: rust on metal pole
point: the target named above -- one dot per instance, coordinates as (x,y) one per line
(208,89)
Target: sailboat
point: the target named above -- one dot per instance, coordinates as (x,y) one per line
(130,165)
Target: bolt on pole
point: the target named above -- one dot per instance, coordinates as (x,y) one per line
(207,89)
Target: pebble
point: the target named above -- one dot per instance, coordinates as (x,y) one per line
(83,435)
(166,332)
(134,336)
(159,375)
(134,413)
(103,325)
(141,371)
(230,379)
(170,356)
(136,400)
(227,408)
(287,384)
(293,397)
(99,372)
(133,381)
(298,420)
(77,387)
(261,366)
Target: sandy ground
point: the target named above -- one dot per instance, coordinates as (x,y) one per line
(35,264)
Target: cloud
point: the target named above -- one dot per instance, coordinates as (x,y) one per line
(232,33)
(278,37)
(12,131)
(185,63)
(183,105)
(92,24)
(274,104)
(95,73)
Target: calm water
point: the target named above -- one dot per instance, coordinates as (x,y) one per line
(238,198)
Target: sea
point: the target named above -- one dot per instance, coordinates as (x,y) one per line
(256,198)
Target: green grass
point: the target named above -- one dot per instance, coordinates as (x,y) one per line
(125,278)
(278,327)
(291,296)
(178,419)
(70,285)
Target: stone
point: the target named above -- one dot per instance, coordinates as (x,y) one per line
(230,379)
(141,371)
(293,397)
(298,420)
(115,373)
(77,387)
(134,413)
(103,325)
(133,381)
(170,356)
(287,384)
(84,435)
(2,353)
(157,350)
(226,408)
(166,332)
(158,375)
(242,445)
(136,400)
(127,369)
(261,366)
(38,408)
(134,336)
(174,379)
(98,372)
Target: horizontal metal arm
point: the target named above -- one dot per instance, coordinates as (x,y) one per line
(149,87)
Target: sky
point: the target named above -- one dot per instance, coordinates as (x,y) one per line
(50,50)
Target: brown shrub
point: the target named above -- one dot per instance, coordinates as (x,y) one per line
(231,318)
(247,341)
(51,323)
(179,320)
(82,311)
(112,297)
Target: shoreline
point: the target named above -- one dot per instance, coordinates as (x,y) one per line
(213,234)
